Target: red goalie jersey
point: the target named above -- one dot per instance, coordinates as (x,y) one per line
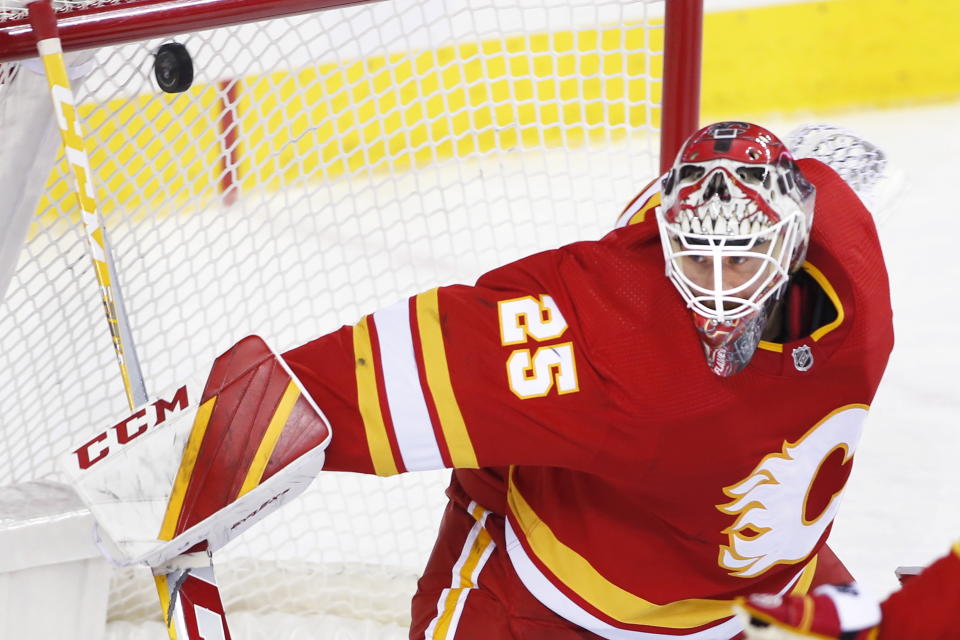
(636,492)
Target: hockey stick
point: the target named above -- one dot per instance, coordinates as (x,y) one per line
(64,106)
(192,607)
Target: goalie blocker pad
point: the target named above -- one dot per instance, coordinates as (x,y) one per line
(197,466)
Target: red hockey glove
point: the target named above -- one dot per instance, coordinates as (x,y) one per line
(831,611)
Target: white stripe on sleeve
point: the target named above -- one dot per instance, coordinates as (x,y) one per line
(408,409)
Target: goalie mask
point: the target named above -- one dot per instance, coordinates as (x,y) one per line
(734,222)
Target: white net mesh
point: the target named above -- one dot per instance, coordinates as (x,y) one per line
(319,168)
(862,165)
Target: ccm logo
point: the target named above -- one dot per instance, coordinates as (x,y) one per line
(129,428)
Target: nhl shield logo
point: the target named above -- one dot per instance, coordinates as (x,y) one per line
(803,358)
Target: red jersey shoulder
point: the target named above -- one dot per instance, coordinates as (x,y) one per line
(840,218)
(846,261)
(844,245)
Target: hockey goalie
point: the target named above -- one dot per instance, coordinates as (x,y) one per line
(641,428)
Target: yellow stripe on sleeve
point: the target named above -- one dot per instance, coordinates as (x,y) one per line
(437,372)
(270,437)
(368,400)
(187,462)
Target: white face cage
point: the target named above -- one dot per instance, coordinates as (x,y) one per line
(727,277)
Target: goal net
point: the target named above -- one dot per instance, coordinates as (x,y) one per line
(322,164)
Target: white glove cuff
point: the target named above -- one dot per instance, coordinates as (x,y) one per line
(855,609)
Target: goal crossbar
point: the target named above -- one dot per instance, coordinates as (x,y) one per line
(99,24)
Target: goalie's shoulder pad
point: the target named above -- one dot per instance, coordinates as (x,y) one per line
(643,206)
(204,461)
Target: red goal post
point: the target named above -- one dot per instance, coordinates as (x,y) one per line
(330,158)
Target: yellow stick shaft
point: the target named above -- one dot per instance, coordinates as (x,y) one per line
(65,110)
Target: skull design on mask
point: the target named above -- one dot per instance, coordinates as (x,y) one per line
(734,223)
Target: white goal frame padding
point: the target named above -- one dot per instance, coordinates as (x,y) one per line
(28,109)
(48,548)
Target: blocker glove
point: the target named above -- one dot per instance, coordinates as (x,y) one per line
(831,611)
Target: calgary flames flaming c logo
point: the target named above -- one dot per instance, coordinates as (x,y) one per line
(773,522)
